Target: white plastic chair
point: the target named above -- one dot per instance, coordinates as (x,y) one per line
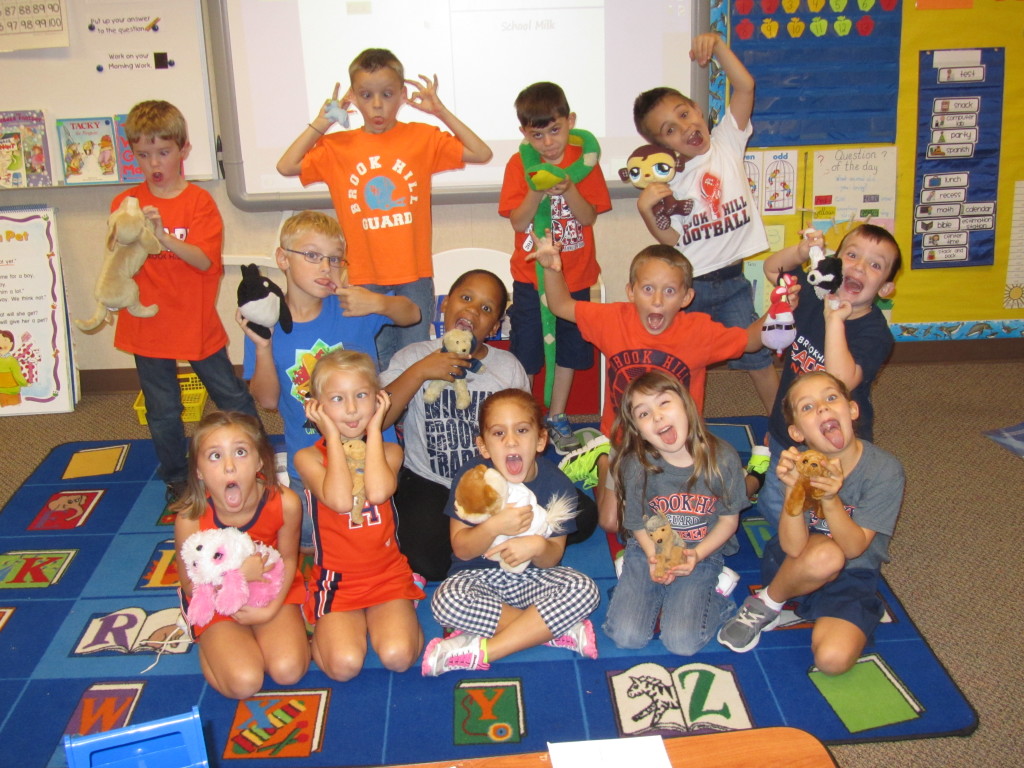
(448,265)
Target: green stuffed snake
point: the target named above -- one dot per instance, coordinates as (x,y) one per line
(541,176)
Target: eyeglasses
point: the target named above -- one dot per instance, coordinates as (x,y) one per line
(313,257)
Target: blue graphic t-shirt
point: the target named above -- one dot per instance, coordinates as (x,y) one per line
(296,353)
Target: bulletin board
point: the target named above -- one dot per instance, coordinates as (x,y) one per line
(827,73)
(119,53)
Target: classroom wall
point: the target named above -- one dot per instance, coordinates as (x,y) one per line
(974,293)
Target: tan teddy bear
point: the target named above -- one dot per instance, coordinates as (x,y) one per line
(355,458)
(461,342)
(803,496)
(668,544)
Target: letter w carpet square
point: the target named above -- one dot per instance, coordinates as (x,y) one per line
(87,597)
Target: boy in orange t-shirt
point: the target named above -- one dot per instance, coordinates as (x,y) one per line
(545,121)
(182,280)
(379,179)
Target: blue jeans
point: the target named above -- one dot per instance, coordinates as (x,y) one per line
(392,338)
(771,497)
(730,301)
(690,608)
(159,381)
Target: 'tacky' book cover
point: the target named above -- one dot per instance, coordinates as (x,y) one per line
(87,144)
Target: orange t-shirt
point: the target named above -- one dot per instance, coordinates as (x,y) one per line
(380,187)
(684,350)
(579,255)
(263,527)
(186,325)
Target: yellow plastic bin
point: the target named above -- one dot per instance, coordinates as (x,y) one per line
(193,398)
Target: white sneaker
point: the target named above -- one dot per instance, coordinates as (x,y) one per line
(457,652)
(580,639)
(727,581)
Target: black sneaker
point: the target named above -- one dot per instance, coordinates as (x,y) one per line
(174,491)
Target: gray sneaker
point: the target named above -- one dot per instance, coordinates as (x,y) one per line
(742,632)
(561,434)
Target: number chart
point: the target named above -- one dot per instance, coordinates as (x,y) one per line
(25,25)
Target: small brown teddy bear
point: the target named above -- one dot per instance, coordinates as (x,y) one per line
(668,544)
(355,458)
(461,342)
(803,496)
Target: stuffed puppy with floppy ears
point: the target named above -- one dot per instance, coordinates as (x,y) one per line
(461,342)
(355,460)
(483,492)
(651,164)
(130,241)
(261,302)
(826,272)
(213,560)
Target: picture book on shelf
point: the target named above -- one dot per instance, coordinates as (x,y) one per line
(29,126)
(87,145)
(127,165)
(12,161)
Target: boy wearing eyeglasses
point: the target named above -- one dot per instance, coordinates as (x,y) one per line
(327,313)
(379,177)
(182,281)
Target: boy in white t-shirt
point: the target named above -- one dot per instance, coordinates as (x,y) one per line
(724,226)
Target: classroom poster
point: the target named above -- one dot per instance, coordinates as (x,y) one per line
(35,364)
(853,184)
(780,182)
(960,115)
(753,162)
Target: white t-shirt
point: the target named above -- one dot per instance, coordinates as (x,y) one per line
(725,225)
(440,438)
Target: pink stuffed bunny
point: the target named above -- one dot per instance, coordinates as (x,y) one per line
(213,559)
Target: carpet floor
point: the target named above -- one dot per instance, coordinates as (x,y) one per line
(86,562)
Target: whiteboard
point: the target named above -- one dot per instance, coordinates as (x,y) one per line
(276,62)
(118,57)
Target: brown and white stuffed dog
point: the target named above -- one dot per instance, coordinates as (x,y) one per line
(483,492)
(130,240)
(355,459)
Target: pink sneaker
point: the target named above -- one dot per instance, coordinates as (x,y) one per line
(580,639)
(420,582)
(460,652)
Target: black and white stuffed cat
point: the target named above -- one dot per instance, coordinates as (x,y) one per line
(262,303)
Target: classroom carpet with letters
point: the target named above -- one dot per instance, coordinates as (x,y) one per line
(87,595)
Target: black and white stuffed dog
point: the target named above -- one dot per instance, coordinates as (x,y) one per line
(262,303)
(826,273)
